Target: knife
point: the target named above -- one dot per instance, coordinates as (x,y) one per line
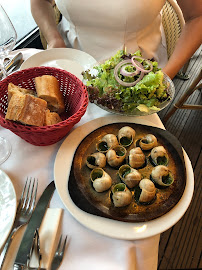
(13,63)
(34,223)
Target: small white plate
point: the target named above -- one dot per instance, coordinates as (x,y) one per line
(105,226)
(71,60)
(8,206)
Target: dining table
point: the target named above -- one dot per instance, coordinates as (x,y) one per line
(91,245)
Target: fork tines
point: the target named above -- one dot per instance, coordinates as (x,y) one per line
(27,200)
(60,250)
(57,259)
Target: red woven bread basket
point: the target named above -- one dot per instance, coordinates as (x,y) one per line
(75,98)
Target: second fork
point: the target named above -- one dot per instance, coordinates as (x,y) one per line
(23,214)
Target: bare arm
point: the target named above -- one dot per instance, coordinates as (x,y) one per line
(43,14)
(190,38)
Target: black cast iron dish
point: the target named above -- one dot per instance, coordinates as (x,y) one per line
(86,198)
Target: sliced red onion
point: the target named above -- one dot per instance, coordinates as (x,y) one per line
(127,84)
(139,66)
(126,73)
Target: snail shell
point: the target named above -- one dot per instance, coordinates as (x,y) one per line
(148,142)
(159,155)
(96,160)
(106,143)
(136,157)
(131,177)
(100,179)
(148,190)
(126,136)
(121,195)
(162,176)
(116,156)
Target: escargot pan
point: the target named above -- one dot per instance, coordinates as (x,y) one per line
(85,196)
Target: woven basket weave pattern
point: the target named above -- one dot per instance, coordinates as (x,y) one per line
(75,98)
(172,26)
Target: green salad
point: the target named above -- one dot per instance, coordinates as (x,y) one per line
(127,82)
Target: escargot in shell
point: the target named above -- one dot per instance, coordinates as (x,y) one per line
(126,136)
(136,158)
(95,160)
(159,156)
(148,191)
(116,156)
(148,142)
(106,143)
(101,180)
(121,195)
(162,176)
(131,177)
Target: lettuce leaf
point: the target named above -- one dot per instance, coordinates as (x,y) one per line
(149,92)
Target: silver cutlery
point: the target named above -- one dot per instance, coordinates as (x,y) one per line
(57,259)
(23,214)
(33,225)
(13,63)
(59,254)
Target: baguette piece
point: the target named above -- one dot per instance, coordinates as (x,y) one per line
(51,118)
(26,109)
(14,89)
(47,88)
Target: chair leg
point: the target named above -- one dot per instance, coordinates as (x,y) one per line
(169,114)
(185,96)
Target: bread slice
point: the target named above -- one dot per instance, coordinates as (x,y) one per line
(51,118)
(47,88)
(13,89)
(26,109)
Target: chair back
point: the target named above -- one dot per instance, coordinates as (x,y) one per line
(173,22)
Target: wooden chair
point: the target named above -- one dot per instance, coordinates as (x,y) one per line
(180,104)
(173,23)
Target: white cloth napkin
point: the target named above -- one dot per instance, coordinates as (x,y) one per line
(143,254)
(49,233)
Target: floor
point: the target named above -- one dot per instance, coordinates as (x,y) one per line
(180,246)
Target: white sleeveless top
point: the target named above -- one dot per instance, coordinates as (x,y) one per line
(102,27)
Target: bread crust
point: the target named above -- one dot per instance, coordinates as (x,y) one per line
(14,89)
(51,118)
(47,88)
(26,109)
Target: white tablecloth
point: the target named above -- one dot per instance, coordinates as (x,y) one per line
(87,249)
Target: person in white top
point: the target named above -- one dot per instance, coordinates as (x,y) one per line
(100,28)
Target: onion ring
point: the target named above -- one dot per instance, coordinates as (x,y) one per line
(126,73)
(140,67)
(127,84)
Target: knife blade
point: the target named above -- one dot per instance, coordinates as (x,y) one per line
(16,61)
(34,223)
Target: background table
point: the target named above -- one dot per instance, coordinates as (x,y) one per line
(87,249)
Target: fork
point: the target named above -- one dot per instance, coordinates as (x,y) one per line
(24,211)
(57,259)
